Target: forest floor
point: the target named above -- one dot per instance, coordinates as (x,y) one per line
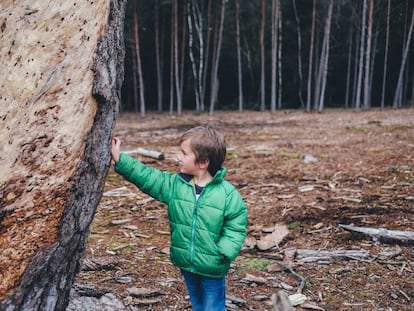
(304,172)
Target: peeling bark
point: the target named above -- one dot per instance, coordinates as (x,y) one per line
(62,71)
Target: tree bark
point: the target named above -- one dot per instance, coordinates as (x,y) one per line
(61,76)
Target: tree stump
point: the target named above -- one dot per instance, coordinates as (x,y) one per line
(61,68)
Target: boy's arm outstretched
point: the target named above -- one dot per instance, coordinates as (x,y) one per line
(148,179)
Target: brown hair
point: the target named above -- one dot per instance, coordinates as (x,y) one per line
(207,144)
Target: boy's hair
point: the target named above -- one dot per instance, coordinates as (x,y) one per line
(207,144)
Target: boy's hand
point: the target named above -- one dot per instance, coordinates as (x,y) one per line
(116,149)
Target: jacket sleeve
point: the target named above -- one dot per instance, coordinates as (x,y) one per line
(234,227)
(149,180)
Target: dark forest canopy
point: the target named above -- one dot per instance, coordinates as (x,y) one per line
(314,54)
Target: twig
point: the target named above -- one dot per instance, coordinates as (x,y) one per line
(298,276)
(405,295)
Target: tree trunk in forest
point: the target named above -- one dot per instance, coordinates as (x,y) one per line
(183,48)
(214,73)
(158,57)
(311,48)
(62,71)
(316,79)
(135,81)
(398,90)
(367,96)
(274,25)
(348,70)
(401,94)
(172,61)
(387,36)
(262,58)
(207,54)
(279,56)
(325,57)
(372,65)
(239,63)
(175,52)
(355,70)
(139,65)
(191,16)
(361,57)
(302,105)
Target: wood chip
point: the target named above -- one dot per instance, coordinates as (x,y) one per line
(163,232)
(311,307)
(120,221)
(306,188)
(280,232)
(144,292)
(254,279)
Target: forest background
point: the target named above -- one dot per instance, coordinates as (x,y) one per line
(204,55)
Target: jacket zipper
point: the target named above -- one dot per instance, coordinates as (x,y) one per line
(193,227)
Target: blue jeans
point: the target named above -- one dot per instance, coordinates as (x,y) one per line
(206,294)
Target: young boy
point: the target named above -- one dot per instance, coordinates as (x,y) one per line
(207,215)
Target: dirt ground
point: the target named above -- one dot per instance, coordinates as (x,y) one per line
(308,172)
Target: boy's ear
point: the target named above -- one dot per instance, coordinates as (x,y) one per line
(204,164)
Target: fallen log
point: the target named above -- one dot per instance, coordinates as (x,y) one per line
(148,153)
(61,66)
(325,256)
(382,233)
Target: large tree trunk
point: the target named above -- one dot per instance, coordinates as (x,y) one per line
(61,74)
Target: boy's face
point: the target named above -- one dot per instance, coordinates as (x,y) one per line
(187,159)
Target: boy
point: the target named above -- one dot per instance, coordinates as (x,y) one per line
(207,215)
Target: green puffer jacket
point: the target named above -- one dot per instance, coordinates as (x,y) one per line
(206,234)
